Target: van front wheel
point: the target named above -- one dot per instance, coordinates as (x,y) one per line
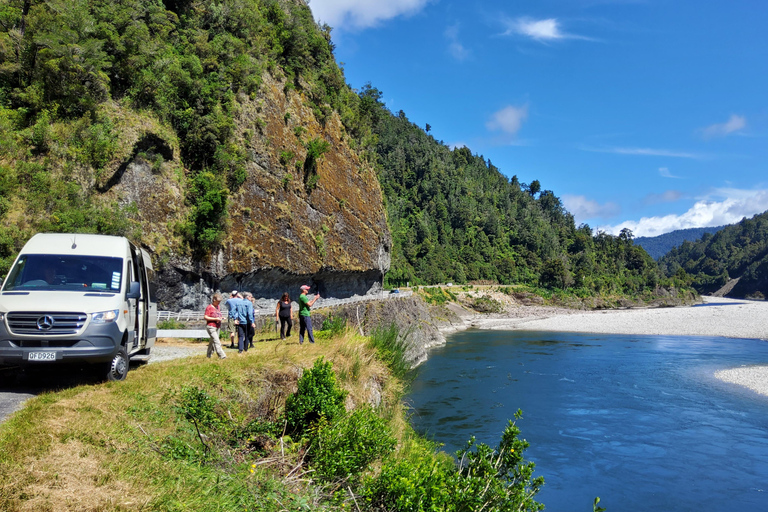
(117,369)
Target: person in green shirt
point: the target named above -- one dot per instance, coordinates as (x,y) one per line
(305,321)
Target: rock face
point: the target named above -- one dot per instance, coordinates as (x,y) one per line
(422,326)
(298,218)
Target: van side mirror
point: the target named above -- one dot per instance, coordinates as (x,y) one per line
(135,291)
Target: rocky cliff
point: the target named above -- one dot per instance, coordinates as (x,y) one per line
(280,233)
(222,137)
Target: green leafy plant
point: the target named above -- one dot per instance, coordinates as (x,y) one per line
(171,324)
(316,148)
(345,448)
(286,157)
(318,397)
(484,479)
(334,325)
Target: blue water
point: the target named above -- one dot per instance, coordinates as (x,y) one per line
(638,420)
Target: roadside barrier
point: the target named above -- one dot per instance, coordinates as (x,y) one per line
(197,316)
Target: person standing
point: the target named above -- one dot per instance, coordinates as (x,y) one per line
(231,317)
(284,314)
(213,326)
(251,306)
(305,321)
(244,321)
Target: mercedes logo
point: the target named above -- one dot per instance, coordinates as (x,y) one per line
(45,323)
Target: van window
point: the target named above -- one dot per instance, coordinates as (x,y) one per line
(65,273)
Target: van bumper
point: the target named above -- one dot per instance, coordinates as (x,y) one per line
(97,344)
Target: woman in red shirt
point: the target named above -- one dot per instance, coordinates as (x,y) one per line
(213,324)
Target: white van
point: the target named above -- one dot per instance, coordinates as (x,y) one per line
(76,298)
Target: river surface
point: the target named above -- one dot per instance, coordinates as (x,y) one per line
(638,420)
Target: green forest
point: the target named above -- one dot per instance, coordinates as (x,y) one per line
(736,251)
(658,246)
(70,70)
(456,218)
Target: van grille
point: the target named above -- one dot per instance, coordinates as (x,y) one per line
(45,324)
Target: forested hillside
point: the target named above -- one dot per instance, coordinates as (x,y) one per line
(737,251)
(222,137)
(658,246)
(455,217)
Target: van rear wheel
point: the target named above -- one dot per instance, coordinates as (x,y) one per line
(117,369)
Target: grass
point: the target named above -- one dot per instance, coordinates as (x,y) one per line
(129,446)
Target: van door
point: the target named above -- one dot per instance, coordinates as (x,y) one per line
(136,306)
(149,299)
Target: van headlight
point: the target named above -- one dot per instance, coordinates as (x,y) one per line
(2,316)
(105,317)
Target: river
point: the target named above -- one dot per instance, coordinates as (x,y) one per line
(638,420)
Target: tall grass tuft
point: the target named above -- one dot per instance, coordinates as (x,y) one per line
(391,347)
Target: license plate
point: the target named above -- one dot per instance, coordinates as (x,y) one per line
(42,356)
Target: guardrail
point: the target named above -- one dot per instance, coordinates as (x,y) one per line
(197,316)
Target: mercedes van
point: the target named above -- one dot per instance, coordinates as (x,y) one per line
(77,298)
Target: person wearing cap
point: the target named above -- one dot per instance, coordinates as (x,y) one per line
(231,317)
(305,321)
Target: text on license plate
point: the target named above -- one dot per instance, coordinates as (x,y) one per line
(42,356)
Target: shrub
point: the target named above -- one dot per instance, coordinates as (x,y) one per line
(486,304)
(496,479)
(170,324)
(286,157)
(344,449)
(487,479)
(418,483)
(317,397)
(334,325)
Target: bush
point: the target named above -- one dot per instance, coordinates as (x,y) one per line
(496,479)
(486,304)
(170,324)
(345,448)
(317,398)
(334,325)
(487,479)
(418,483)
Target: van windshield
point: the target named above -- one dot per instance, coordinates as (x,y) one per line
(53,272)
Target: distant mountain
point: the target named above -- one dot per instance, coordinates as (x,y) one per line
(658,246)
(736,251)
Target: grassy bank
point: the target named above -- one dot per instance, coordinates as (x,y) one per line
(285,427)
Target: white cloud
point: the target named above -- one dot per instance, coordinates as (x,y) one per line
(455,47)
(359,14)
(733,124)
(722,206)
(508,120)
(643,152)
(664,173)
(539,30)
(582,208)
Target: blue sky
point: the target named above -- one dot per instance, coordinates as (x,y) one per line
(651,115)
